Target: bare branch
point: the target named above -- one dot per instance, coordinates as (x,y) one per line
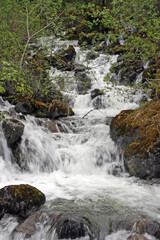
(90,112)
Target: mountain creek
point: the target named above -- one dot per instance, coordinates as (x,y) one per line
(75,163)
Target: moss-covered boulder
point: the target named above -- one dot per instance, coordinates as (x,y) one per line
(59,109)
(137,132)
(20,199)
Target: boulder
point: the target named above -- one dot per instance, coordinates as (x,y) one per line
(70,228)
(13,130)
(136,132)
(20,199)
(59,109)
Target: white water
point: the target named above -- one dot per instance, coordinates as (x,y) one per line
(79,166)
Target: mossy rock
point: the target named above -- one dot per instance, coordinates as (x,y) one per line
(20,199)
(58,109)
(137,132)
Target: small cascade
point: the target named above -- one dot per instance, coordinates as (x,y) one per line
(73,160)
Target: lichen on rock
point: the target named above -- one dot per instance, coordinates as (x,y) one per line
(137,132)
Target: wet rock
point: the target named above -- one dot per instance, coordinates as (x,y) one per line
(96,92)
(137,236)
(116,169)
(153,228)
(127,71)
(83,82)
(136,133)
(59,109)
(139,227)
(92,55)
(20,199)
(57,126)
(28,227)
(13,130)
(64,60)
(22,107)
(100,102)
(70,228)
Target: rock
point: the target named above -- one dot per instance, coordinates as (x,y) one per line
(59,109)
(96,92)
(22,107)
(153,228)
(64,60)
(92,55)
(83,82)
(70,228)
(13,130)
(20,199)
(136,133)
(137,236)
(28,227)
(79,68)
(127,71)
(57,126)
(139,227)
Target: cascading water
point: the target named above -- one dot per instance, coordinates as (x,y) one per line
(80,169)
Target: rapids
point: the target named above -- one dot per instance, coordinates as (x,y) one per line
(80,170)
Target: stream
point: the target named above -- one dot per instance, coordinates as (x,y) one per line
(80,169)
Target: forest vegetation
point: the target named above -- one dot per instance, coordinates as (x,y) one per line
(23,22)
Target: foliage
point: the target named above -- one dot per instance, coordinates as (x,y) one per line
(137,21)
(22,22)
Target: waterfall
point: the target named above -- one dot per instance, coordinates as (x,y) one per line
(79,169)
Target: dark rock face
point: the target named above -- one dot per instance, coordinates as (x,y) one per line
(20,199)
(13,130)
(83,82)
(136,133)
(59,109)
(70,228)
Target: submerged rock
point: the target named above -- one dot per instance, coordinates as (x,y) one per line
(137,133)
(20,199)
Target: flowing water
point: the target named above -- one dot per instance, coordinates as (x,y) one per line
(80,169)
